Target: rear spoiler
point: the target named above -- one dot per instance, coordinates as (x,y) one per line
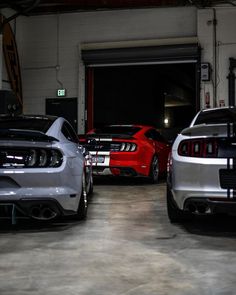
(85,138)
(214,130)
(20,134)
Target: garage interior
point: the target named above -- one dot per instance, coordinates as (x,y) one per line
(126,246)
(149,86)
(149,95)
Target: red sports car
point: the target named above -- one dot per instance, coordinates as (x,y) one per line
(127,150)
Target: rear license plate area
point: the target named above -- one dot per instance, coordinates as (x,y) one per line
(98,159)
(227,178)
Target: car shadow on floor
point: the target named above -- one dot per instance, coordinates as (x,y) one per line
(29,225)
(125,181)
(215,226)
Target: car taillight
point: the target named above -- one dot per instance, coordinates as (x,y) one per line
(42,158)
(128,147)
(200,148)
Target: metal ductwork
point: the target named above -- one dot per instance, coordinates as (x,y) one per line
(22,7)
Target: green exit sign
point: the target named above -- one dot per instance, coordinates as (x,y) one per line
(61,92)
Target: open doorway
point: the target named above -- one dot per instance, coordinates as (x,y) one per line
(162,95)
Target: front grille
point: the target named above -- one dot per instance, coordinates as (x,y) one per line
(228,179)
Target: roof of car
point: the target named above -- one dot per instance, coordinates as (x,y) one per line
(36,117)
(218,108)
(130,125)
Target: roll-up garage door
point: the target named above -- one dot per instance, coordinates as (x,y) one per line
(158,80)
(152,54)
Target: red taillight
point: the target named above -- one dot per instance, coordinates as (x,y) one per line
(200,148)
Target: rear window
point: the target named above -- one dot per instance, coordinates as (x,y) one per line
(24,123)
(117,130)
(216,116)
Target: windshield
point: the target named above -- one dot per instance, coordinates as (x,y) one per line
(41,124)
(118,130)
(216,116)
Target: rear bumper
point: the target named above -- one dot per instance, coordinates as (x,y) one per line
(120,164)
(41,209)
(210,206)
(115,171)
(197,186)
(59,185)
(195,178)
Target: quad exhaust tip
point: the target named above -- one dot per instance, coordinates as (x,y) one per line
(42,213)
(201,208)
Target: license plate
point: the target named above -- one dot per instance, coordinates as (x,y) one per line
(98,159)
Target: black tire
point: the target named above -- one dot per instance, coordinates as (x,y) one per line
(174,213)
(154,170)
(83,203)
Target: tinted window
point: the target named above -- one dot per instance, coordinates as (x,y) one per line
(155,135)
(119,130)
(216,116)
(26,123)
(69,132)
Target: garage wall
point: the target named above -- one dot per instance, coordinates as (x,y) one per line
(4,80)
(48,41)
(217,56)
(49,47)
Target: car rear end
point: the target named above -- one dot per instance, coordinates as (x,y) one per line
(120,152)
(117,156)
(202,169)
(38,177)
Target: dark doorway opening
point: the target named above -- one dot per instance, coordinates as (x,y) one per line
(63,107)
(162,95)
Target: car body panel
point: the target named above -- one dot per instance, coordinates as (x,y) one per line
(126,163)
(196,179)
(60,185)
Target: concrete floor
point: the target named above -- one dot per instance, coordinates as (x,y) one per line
(125,247)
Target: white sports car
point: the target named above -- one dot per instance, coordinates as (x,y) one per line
(202,166)
(44,172)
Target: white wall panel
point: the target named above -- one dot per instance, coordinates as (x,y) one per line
(38,45)
(205,33)
(225,47)
(226,40)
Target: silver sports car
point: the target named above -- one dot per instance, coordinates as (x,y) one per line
(44,172)
(202,166)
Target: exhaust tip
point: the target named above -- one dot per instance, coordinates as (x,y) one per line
(48,213)
(45,213)
(192,208)
(35,212)
(202,208)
